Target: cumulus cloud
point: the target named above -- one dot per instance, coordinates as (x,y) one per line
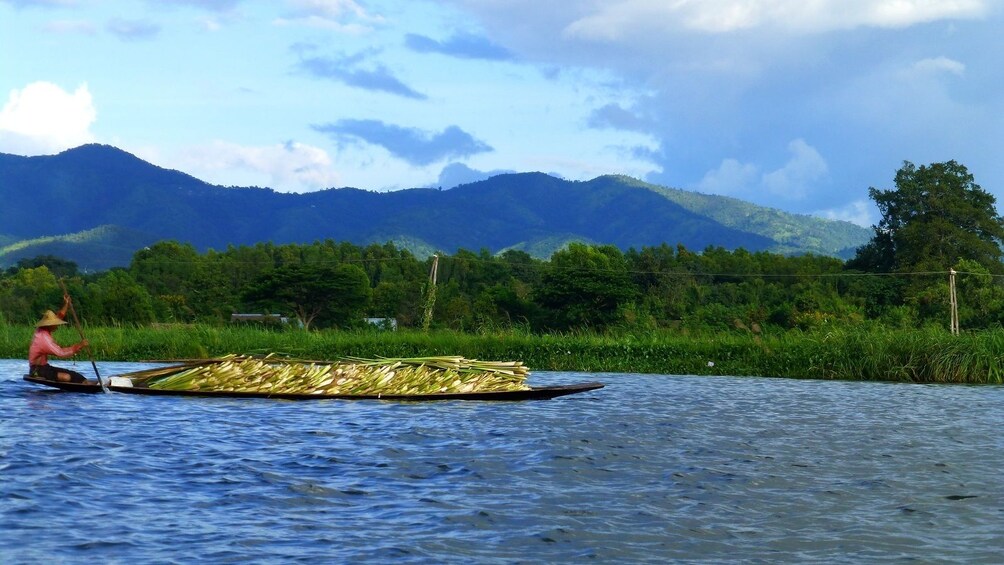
(712,79)
(939,65)
(618,19)
(793,181)
(288,167)
(344,16)
(42,118)
(413,145)
(456,174)
(462,45)
(796,177)
(730,178)
(348,70)
(860,212)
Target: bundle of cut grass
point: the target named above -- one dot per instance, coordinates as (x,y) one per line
(350,376)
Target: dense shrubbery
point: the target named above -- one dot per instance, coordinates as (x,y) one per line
(859,354)
(599,288)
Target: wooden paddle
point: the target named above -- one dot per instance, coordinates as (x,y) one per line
(80,330)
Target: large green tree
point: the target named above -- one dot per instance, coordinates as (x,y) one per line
(27,293)
(118,298)
(585,287)
(172,273)
(331,295)
(936,216)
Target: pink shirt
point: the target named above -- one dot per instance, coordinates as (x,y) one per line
(43,345)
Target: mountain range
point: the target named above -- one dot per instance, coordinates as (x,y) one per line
(97,205)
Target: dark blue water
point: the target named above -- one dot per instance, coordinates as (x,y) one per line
(649,469)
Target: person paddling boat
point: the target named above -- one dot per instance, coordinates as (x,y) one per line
(43,345)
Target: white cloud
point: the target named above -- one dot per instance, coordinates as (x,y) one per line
(345,16)
(794,179)
(332,9)
(731,177)
(859,212)
(622,18)
(903,13)
(288,167)
(938,65)
(42,118)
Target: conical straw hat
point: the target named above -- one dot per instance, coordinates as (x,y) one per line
(49,319)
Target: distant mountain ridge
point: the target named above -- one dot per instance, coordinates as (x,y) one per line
(99,204)
(792,233)
(98,249)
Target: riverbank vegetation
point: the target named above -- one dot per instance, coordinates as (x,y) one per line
(930,355)
(890,313)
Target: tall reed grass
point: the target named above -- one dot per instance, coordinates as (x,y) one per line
(913,356)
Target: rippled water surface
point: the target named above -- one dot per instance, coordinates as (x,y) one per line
(649,469)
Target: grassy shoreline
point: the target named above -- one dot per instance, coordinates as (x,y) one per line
(905,356)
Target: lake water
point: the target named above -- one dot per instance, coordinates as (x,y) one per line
(652,468)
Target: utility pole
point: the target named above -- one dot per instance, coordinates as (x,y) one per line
(953,302)
(430,295)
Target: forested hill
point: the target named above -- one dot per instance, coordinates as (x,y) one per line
(56,205)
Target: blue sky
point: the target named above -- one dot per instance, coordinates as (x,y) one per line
(792,104)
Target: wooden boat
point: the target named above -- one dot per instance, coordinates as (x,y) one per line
(88,387)
(126,386)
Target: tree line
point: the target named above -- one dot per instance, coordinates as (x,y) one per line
(936,219)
